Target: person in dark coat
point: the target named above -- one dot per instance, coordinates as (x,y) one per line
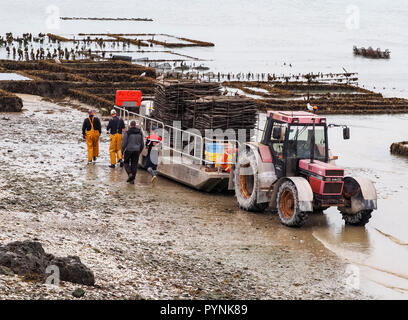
(132,145)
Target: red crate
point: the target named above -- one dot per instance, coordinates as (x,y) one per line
(123,96)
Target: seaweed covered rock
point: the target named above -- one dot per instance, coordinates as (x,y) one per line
(24,257)
(28,258)
(72,270)
(10,102)
(400,148)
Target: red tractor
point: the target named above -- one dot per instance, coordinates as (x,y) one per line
(291,170)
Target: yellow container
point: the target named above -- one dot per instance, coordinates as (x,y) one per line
(214,157)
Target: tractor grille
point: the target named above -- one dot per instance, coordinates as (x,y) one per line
(332,188)
(334,173)
(329,200)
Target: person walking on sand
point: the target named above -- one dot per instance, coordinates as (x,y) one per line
(115,126)
(91,131)
(132,145)
(153,145)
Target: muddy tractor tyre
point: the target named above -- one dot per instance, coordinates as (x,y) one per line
(288,206)
(246,183)
(359,219)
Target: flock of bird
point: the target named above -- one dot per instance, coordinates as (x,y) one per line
(250,76)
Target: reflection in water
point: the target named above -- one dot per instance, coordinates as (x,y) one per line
(355,237)
(318,219)
(91,172)
(336,234)
(114,176)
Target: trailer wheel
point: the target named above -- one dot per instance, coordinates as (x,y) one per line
(359,219)
(246,183)
(288,206)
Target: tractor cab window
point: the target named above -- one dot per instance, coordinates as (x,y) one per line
(278,138)
(300,140)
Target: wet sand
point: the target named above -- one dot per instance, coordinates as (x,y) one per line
(169,241)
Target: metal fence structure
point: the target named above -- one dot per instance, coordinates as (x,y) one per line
(193,150)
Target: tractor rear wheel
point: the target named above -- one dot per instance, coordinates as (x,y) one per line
(246,183)
(359,219)
(288,206)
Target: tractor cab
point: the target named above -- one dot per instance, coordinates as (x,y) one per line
(293,136)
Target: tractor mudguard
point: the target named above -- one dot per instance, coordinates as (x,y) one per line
(253,148)
(361,193)
(231,178)
(367,187)
(232,174)
(266,174)
(305,193)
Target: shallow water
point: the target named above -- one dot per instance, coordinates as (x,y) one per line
(12,76)
(381,248)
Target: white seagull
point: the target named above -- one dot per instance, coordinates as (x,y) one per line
(310,107)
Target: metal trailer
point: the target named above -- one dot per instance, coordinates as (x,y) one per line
(184,164)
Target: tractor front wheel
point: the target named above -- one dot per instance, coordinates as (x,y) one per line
(359,219)
(288,206)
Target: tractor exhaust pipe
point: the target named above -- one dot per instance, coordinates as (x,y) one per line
(312,142)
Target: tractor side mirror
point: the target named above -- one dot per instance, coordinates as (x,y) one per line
(346,133)
(276,133)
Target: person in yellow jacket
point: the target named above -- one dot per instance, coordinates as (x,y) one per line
(91,131)
(115,127)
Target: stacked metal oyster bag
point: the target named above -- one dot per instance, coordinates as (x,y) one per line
(171,96)
(200,105)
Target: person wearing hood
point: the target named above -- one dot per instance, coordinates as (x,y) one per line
(132,145)
(91,131)
(153,145)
